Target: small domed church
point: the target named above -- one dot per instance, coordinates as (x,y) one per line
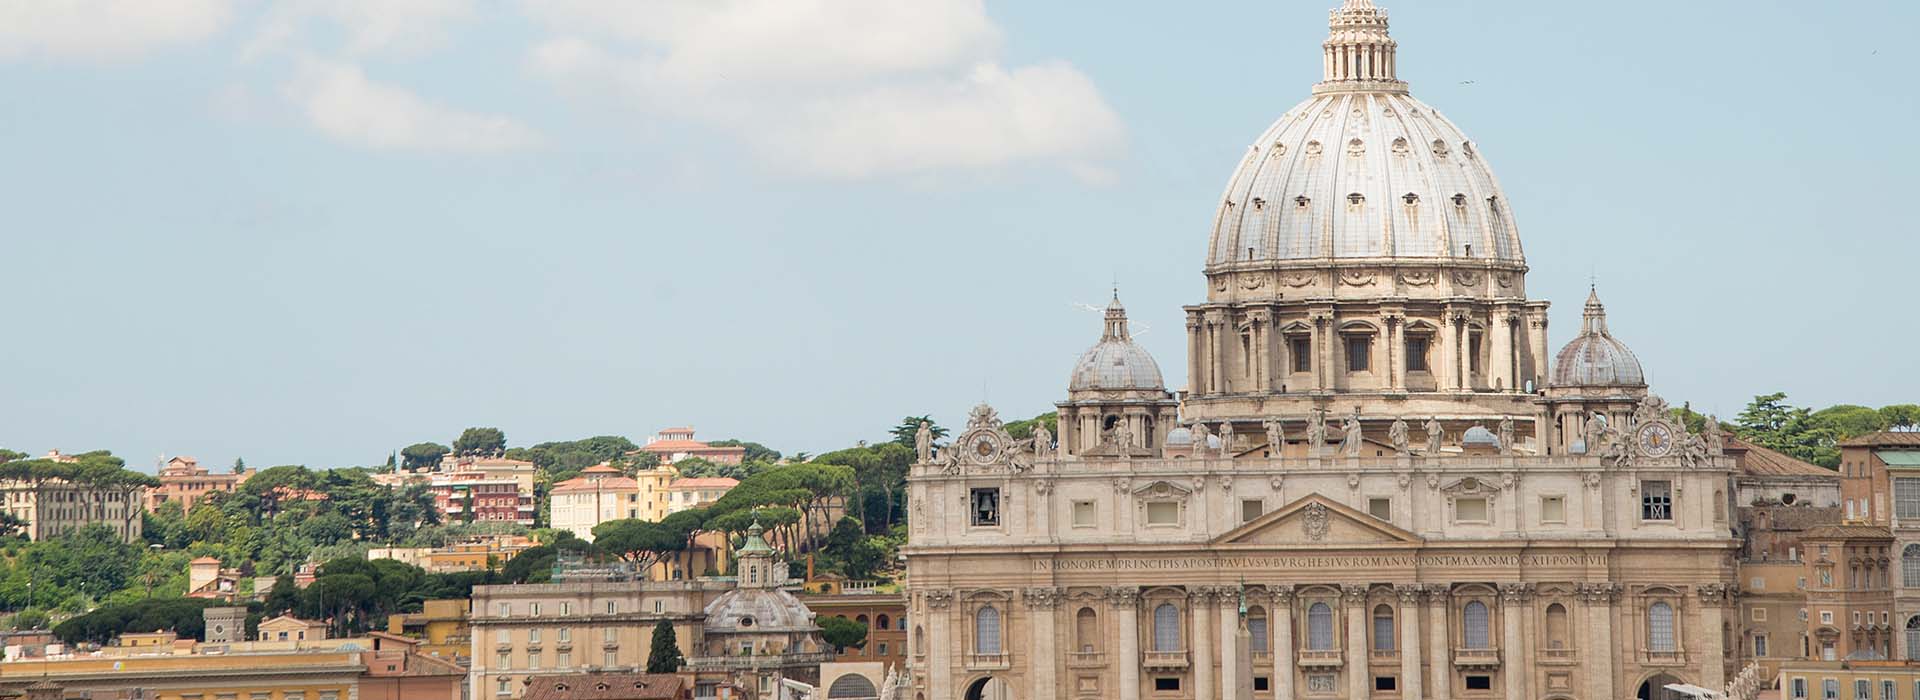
(1376,483)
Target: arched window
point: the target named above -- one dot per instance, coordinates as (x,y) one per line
(986,631)
(1383,628)
(1473,619)
(919,640)
(1257,641)
(1086,630)
(1166,628)
(1660,628)
(862,619)
(1320,627)
(1556,626)
(1913,638)
(1910,565)
(882,623)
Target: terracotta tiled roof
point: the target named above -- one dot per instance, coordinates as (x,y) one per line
(581,483)
(720,482)
(1886,439)
(675,445)
(601,468)
(1838,532)
(1755,460)
(606,686)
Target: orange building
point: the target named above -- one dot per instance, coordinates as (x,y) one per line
(184,481)
(377,667)
(675,444)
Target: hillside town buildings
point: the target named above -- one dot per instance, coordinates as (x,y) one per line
(56,507)
(184,481)
(675,444)
(1377,483)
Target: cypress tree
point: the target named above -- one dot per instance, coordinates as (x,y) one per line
(665,656)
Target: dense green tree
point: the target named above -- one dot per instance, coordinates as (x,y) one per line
(842,633)
(273,486)
(665,656)
(641,542)
(1023,429)
(908,430)
(239,465)
(424,455)
(756,452)
(7,455)
(1903,416)
(184,616)
(480,441)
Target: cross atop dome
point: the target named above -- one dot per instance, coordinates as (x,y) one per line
(1359,53)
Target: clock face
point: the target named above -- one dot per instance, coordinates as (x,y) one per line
(1656,440)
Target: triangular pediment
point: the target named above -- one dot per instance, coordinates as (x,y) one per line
(1317,521)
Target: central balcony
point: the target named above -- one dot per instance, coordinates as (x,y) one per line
(1476,659)
(1086,659)
(986,662)
(1322,658)
(1165,660)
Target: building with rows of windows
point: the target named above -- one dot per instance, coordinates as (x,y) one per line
(1377,482)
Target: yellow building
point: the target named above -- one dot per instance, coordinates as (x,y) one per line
(441,626)
(1849,680)
(378,667)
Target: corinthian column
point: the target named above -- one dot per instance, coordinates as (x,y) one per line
(1126,606)
(1356,599)
(1199,602)
(1598,598)
(1409,625)
(1041,663)
(943,652)
(1514,598)
(1440,643)
(1230,667)
(1713,656)
(1282,621)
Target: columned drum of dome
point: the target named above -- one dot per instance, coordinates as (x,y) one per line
(1364,252)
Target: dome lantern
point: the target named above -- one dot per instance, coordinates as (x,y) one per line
(1359,55)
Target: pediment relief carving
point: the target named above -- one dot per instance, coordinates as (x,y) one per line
(1471,486)
(1162,490)
(1317,521)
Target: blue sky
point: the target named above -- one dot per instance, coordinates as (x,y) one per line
(305,232)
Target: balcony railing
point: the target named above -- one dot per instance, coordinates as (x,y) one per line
(987,662)
(1384,654)
(1165,660)
(1476,659)
(1086,659)
(1664,658)
(1263,657)
(729,663)
(1558,655)
(1321,658)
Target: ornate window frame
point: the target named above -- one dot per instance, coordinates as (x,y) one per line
(1162,491)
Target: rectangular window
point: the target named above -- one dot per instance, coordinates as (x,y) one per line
(1359,353)
(1257,635)
(1473,353)
(1479,682)
(566,609)
(1470,510)
(1166,685)
(1301,348)
(506,609)
(1261,684)
(1906,498)
(1799,689)
(566,635)
(609,635)
(499,636)
(1826,617)
(1862,690)
(1886,690)
(503,688)
(610,607)
(1553,509)
(533,636)
(564,660)
(1251,509)
(610,659)
(1381,508)
(1387,683)
(1417,353)
(1760,645)
(1083,514)
(533,610)
(503,662)
(883,648)
(1163,513)
(533,660)
(1656,500)
(986,508)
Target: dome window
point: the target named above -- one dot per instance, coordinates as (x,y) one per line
(1459,200)
(1411,199)
(1259,204)
(1356,199)
(1356,147)
(1313,148)
(1400,147)
(1302,201)
(1439,148)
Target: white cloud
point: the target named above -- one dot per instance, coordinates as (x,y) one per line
(837,88)
(340,101)
(366,26)
(105,29)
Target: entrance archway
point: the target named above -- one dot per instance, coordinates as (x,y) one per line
(1656,689)
(990,688)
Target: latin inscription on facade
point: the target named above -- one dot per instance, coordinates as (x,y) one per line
(1324,562)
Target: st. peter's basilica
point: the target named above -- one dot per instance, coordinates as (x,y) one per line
(1376,484)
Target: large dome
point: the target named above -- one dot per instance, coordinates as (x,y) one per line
(1362,170)
(1596,358)
(1116,363)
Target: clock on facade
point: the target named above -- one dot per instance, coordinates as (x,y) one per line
(1656,439)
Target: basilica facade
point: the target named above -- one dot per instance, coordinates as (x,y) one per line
(1377,482)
